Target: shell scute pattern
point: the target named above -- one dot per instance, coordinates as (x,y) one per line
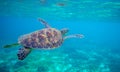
(45,38)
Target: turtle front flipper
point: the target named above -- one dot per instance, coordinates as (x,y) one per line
(23,53)
(44,22)
(11,45)
(74,36)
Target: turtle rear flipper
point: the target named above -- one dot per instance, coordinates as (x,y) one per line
(44,22)
(23,53)
(74,36)
(11,45)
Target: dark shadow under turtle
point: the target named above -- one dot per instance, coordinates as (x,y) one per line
(46,38)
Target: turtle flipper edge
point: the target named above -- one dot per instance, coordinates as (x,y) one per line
(44,22)
(11,45)
(74,36)
(23,53)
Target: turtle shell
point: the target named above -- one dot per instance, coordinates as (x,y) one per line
(47,38)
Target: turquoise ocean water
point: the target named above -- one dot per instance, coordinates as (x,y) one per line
(97,20)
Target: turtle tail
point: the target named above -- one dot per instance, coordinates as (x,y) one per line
(23,53)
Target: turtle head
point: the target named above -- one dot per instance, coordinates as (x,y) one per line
(64,31)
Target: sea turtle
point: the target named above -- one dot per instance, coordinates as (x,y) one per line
(46,38)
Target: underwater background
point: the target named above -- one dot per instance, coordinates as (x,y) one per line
(97,20)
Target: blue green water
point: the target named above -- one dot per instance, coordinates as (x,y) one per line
(97,20)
